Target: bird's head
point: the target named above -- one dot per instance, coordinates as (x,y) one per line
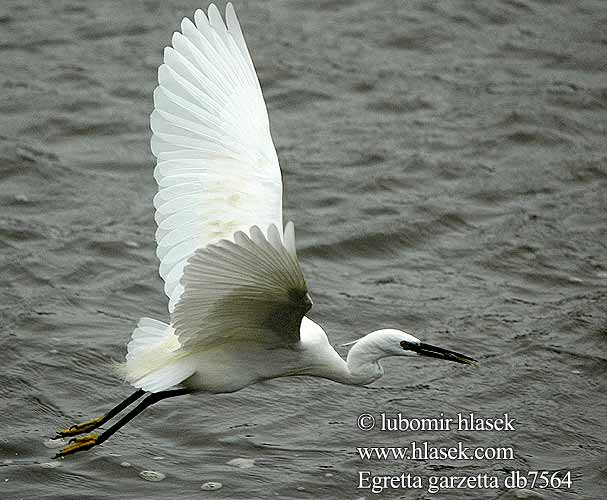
(391,342)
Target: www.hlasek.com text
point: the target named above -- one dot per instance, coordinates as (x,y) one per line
(425,451)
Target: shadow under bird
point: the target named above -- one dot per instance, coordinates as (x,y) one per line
(237,294)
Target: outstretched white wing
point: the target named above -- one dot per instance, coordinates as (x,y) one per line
(217,168)
(251,289)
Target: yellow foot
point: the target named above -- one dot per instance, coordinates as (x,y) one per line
(74,430)
(80,444)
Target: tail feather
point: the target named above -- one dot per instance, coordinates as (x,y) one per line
(148,332)
(153,361)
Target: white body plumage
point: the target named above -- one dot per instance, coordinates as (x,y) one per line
(237,295)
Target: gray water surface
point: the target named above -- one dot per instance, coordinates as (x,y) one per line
(445,164)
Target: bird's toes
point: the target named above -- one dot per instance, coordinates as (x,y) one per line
(82,428)
(79,444)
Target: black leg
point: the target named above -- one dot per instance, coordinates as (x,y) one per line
(87,442)
(74,430)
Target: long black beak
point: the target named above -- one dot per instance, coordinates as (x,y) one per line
(437,352)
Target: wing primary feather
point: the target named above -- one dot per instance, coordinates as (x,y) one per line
(276,242)
(217,168)
(274,237)
(290,239)
(234,27)
(267,255)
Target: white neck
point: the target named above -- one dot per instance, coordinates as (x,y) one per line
(363,361)
(362,365)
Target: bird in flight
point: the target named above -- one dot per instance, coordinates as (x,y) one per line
(237,295)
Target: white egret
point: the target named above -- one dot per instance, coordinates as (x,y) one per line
(237,294)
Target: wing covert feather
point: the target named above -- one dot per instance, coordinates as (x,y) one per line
(251,289)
